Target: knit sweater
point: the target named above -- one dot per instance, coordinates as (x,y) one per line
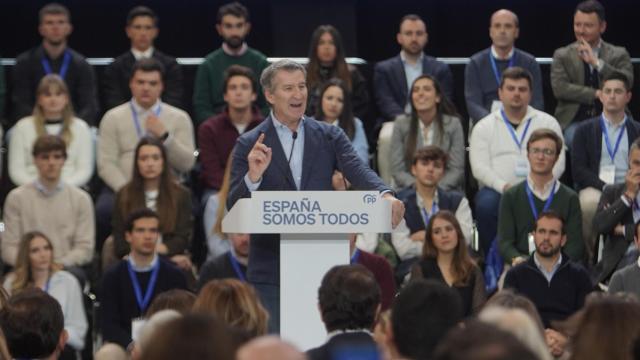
(78,167)
(626,279)
(208,92)
(516,221)
(118,140)
(66,216)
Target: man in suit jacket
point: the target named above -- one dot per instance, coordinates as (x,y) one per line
(616,217)
(578,68)
(601,149)
(393,77)
(142,29)
(349,302)
(264,159)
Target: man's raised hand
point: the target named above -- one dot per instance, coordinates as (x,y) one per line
(259,159)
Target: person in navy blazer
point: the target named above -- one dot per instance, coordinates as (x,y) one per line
(273,157)
(390,76)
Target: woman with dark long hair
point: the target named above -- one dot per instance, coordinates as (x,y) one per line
(153,186)
(433,121)
(445,258)
(326,61)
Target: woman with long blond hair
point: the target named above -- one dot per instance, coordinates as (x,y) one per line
(53,115)
(445,258)
(35,268)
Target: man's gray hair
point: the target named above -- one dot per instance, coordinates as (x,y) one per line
(266,79)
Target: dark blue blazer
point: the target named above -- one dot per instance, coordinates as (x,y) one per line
(587,149)
(390,83)
(326,148)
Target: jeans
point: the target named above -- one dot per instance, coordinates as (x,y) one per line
(487,206)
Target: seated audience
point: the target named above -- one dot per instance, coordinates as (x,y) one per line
(333,105)
(477,340)
(33,324)
(380,269)
(50,205)
(191,337)
(269,348)
(392,78)
(496,148)
(232,264)
(607,328)
(422,314)
(601,150)
(129,286)
(349,303)
(232,24)
(445,258)
(142,30)
(54,57)
(432,121)
(482,74)
(153,186)
(549,278)
(519,324)
(327,61)
(425,199)
(52,115)
(122,128)
(627,279)
(521,203)
(236,304)
(616,219)
(35,268)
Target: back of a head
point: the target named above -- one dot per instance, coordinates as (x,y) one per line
(32,322)
(422,313)
(349,297)
(507,298)
(192,337)
(476,340)
(174,299)
(269,348)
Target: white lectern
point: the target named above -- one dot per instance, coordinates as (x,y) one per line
(314,228)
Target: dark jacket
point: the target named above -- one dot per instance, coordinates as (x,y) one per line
(357,345)
(555,300)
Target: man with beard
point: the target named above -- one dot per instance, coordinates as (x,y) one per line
(540,192)
(231,264)
(54,56)
(233,26)
(549,278)
(394,77)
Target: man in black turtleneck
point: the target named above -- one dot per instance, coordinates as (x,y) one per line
(54,56)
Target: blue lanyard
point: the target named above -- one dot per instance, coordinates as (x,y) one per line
(495,67)
(136,122)
(144,302)
(546,204)
(427,216)
(355,257)
(612,153)
(66,60)
(236,267)
(46,285)
(513,132)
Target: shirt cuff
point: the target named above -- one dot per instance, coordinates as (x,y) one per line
(250,185)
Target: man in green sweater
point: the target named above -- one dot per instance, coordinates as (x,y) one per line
(521,204)
(233,26)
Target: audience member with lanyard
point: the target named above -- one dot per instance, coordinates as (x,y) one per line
(35,268)
(53,56)
(129,286)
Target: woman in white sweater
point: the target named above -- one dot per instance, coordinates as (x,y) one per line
(35,268)
(52,114)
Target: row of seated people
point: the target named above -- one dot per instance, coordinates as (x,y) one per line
(576,71)
(445,288)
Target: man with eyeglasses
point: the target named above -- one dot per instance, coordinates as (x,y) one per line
(601,149)
(522,203)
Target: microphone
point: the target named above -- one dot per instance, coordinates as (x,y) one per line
(294,135)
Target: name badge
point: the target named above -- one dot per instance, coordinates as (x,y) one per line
(496,105)
(136,328)
(522,167)
(532,243)
(608,174)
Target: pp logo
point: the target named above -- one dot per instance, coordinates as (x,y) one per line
(369,199)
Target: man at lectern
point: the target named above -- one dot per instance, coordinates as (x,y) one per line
(289,151)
